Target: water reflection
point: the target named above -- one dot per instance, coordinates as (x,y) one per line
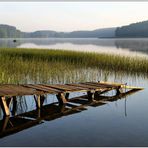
(121,46)
(52,111)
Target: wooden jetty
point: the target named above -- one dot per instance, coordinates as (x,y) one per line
(9,92)
(10,125)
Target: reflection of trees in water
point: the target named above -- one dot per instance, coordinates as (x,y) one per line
(8,43)
(130,44)
(51,41)
(140,45)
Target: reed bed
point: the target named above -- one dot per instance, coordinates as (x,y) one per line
(19,65)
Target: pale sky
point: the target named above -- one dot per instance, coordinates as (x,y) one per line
(70,16)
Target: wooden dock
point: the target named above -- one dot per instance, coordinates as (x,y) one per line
(9,92)
(10,125)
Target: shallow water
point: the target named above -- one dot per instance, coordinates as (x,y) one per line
(119,123)
(123,122)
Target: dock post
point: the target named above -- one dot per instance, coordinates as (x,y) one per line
(97,94)
(90,95)
(67,96)
(42,99)
(5,105)
(37,101)
(119,90)
(61,98)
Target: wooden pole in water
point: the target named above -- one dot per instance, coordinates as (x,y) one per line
(61,98)
(90,95)
(5,107)
(67,96)
(37,99)
(119,90)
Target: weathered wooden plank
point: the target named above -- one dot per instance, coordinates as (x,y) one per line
(57,87)
(102,85)
(87,86)
(48,88)
(39,88)
(17,90)
(131,87)
(79,85)
(7,93)
(70,88)
(110,83)
(98,85)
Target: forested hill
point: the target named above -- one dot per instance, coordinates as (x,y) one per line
(139,29)
(134,30)
(7,31)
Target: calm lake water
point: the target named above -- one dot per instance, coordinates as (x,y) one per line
(122,122)
(132,47)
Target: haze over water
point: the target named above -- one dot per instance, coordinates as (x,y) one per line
(128,46)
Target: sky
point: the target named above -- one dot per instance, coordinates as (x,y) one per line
(71,16)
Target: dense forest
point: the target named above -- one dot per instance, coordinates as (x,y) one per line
(134,30)
(7,31)
(139,29)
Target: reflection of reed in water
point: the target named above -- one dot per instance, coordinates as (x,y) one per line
(21,104)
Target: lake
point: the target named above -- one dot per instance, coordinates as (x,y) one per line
(138,46)
(122,122)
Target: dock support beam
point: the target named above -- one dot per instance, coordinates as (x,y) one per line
(39,100)
(119,90)
(90,95)
(97,94)
(5,105)
(67,96)
(62,98)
